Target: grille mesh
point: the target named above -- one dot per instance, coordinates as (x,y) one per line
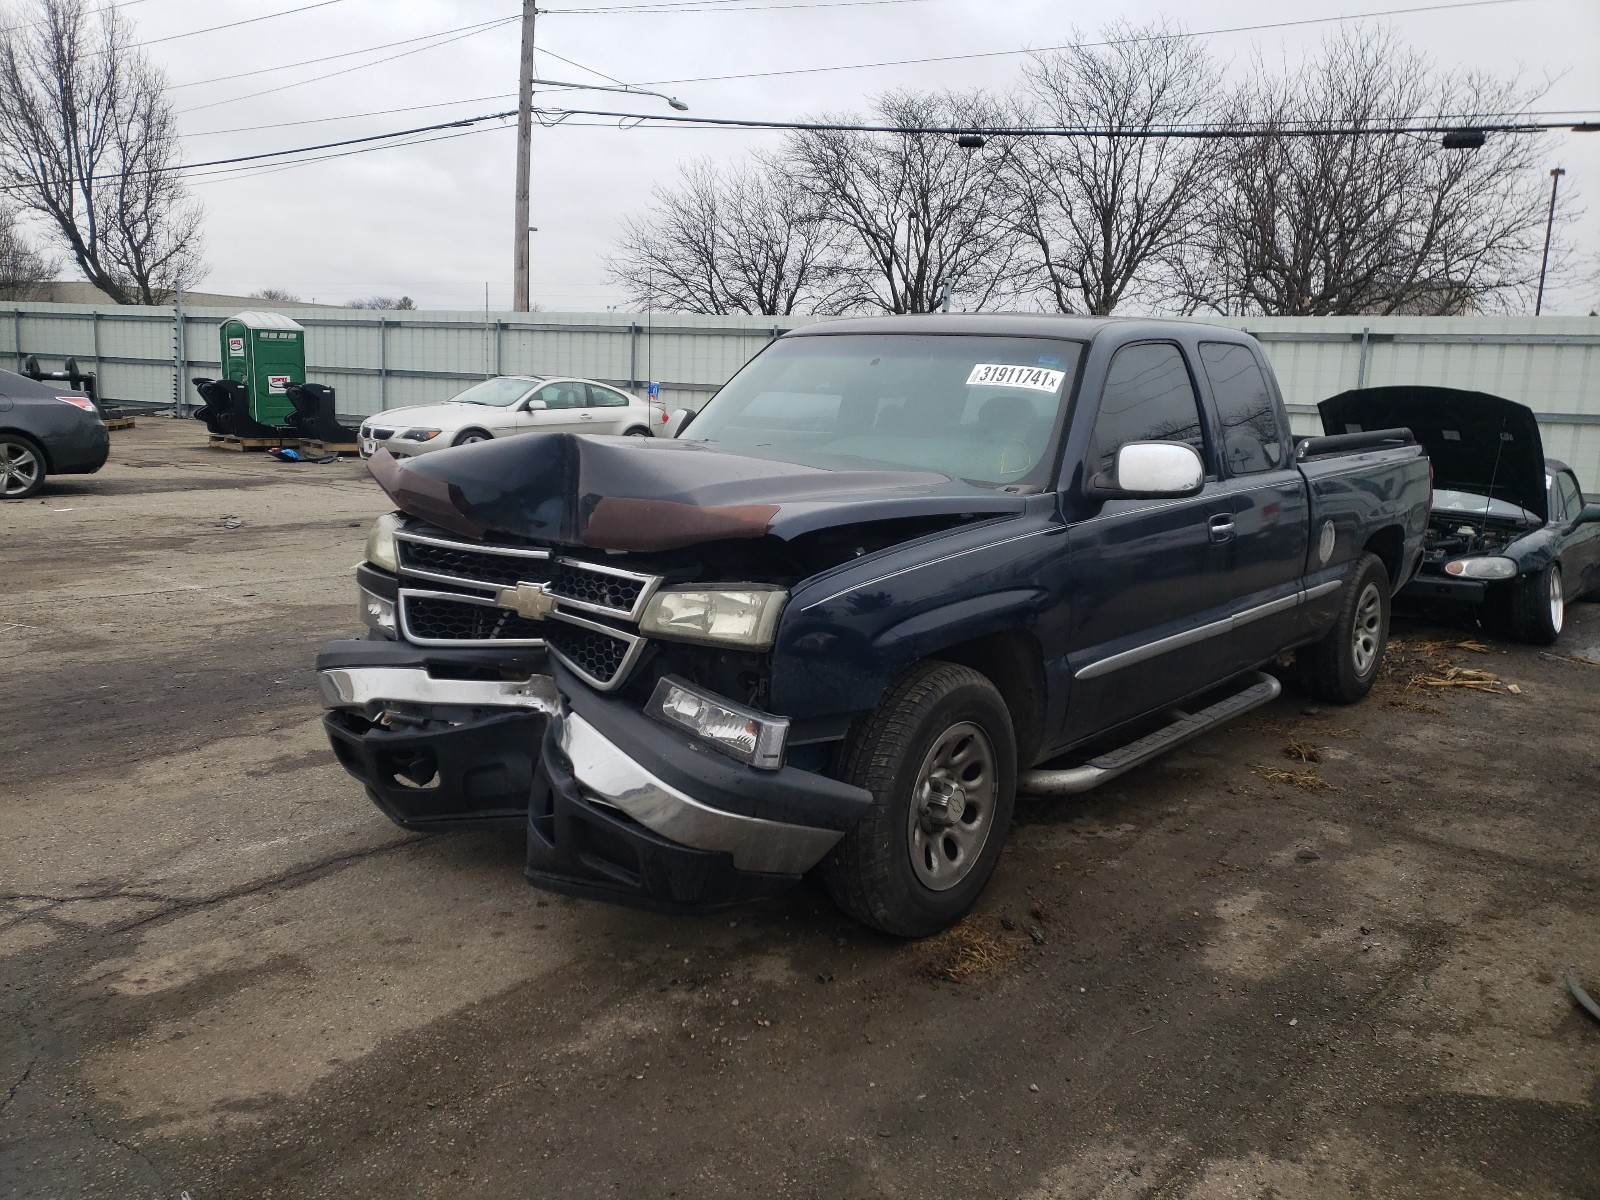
(451,620)
(598,655)
(497,570)
(594,587)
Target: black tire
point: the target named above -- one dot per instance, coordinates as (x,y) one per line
(912,744)
(1342,667)
(1536,607)
(468,436)
(22,466)
(637,431)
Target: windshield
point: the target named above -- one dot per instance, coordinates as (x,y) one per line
(983,409)
(501,393)
(1475,505)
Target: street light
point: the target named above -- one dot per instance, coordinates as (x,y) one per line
(600,87)
(1549,221)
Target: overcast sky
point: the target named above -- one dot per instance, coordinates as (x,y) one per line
(435,222)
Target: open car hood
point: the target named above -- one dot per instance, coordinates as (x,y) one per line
(645,494)
(1477,442)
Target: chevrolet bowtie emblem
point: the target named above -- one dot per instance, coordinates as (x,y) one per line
(529,600)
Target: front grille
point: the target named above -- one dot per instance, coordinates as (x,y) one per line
(615,593)
(445,619)
(382,435)
(598,655)
(471,566)
(603,653)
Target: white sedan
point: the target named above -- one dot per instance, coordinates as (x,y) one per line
(507,405)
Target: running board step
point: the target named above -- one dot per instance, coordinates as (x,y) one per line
(1262,689)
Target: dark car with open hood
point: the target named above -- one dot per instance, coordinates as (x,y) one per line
(896,571)
(1510,535)
(46,430)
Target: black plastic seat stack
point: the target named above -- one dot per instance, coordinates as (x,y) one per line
(313,417)
(226,411)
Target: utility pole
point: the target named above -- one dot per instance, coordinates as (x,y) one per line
(1549,223)
(519,287)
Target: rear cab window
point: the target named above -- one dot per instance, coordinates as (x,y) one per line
(1250,429)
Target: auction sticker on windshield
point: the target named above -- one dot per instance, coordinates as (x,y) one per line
(1038,379)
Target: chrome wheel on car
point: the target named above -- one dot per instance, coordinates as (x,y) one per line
(1367,634)
(952,808)
(20,470)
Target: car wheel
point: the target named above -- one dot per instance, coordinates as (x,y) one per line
(1342,667)
(1539,607)
(637,431)
(22,469)
(939,756)
(469,436)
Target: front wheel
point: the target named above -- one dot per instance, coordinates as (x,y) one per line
(939,756)
(637,431)
(1342,667)
(22,468)
(468,437)
(1539,607)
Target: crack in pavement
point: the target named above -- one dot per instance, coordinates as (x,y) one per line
(11,1094)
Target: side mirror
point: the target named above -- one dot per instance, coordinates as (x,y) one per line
(1150,471)
(534,406)
(679,421)
(1591,512)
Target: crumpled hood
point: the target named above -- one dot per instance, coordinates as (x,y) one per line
(1477,443)
(645,494)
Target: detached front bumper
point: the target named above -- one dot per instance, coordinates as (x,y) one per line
(1445,589)
(437,748)
(626,809)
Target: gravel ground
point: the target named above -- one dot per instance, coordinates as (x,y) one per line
(224,974)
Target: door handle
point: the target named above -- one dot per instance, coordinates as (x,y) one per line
(586,416)
(1222,527)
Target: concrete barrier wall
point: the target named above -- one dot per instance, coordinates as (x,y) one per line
(381,360)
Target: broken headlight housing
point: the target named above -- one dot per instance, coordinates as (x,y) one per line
(381,549)
(1488,567)
(742,733)
(739,616)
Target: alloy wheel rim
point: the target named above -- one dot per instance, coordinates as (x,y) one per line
(1558,604)
(19,469)
(1368,629)
(952,806)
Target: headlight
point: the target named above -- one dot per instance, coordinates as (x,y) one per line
(740,732)
(1482,568)
(381,551)
(721,617)
(420,435)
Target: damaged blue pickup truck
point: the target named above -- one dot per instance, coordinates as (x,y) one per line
(896,571)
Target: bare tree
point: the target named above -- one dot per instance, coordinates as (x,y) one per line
(1108,219)
(383,303)
(23,268)
(275,296)
(731,240)
(90,144)
(920,213)
(1370,221)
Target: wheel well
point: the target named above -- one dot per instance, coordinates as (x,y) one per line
(33,441)
(472,429)
(1388,544)
(1013,663)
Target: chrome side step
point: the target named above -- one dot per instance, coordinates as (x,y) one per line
(1262,689)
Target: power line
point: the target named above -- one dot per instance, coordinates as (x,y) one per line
(288,12)
(37,24)
(907,62)
(379,112)
(716,6)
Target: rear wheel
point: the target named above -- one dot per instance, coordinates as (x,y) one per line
(468,436)
(22,469)
(637,431)
(1342,667)
(939,757)
(1538,607)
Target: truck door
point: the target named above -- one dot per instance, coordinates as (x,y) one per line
(1145,596)
(1262,558)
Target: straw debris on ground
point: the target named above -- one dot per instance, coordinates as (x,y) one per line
(971,950)
(1303,752)
(1306,781)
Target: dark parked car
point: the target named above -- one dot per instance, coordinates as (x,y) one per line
(46,430)
(1510,531)
(896,571)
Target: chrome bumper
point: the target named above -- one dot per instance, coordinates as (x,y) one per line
(372,690)
(609,778)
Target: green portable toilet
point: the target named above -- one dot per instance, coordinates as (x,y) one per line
(266,352)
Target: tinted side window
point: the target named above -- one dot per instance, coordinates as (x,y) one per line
(1148,398)
(1570,502)
(562,395)
(1252,437)
(606,398)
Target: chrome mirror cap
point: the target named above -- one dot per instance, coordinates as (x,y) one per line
(1151,471)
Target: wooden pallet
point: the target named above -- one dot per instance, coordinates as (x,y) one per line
(317,449)
(119,422)
(227,441)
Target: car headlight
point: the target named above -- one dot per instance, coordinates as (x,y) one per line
(420,435)
(381,549)
(720,617)
(743,733)
(1491,567)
